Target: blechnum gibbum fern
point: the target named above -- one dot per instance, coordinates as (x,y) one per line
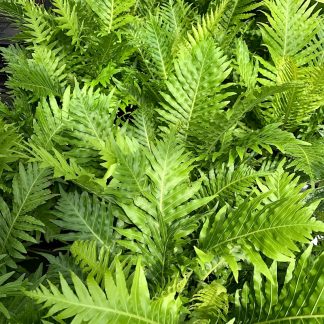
(162,162)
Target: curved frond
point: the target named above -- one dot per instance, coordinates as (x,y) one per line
(115,304)
(271,223)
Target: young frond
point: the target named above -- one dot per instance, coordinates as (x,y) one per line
(115,304)
(30,189)
(84,217)
(299,300)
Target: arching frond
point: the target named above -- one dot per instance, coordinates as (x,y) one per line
(114,304)
(42,75)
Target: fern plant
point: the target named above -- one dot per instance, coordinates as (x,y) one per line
(162,162)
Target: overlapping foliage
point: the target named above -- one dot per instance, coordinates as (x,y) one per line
(162,162)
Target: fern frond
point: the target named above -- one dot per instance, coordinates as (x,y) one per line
(90,122)
(84,217)
(294,25)
(154,40)
(308,159)
(113,15)
(144,129)
(210,302)
(162,213)
(246,66)
(194,96)
(301,298)
(9,146)
(30,189)
(67,168)
(93,261)
(267,137)
(50,121)
(115,304)
(227,182)
(223,21)
(270,223)
(67,19)
(42,75)
(8,288)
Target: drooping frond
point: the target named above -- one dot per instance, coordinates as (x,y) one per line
(194,94)
(300,300)
(115,304)
(271,223)
(113,15)
(30,189)
(84,217)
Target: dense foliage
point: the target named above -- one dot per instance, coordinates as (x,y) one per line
(163,162)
